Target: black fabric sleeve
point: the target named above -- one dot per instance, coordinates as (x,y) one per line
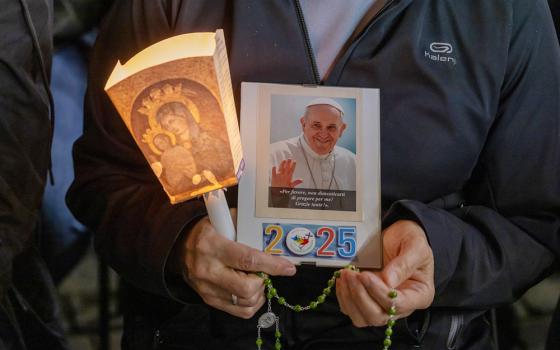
(25,129)
(115,192)
(504,238)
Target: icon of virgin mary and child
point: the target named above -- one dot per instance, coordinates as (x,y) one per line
(189,156)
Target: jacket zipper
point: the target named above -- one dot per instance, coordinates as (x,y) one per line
(156,341)
(307,40)
(454,331)
(382,10)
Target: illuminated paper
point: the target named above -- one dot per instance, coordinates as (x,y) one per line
(176,99)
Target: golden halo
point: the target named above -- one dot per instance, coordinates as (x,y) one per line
(167,94)
(150,134)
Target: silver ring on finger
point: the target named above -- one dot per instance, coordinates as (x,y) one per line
(234,299)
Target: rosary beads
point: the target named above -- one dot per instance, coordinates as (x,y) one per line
(269,318)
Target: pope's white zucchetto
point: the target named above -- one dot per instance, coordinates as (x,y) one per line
(326,101)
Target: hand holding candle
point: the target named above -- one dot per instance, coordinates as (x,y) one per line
(217,268)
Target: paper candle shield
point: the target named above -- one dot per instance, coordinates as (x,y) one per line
(176,99)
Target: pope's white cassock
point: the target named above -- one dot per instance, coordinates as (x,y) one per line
(333,171)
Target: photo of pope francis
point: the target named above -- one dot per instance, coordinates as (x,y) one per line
(312,160)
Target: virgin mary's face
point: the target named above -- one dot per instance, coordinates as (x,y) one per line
(173,117)
(175,123)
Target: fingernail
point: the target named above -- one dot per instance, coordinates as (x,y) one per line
(392,279)
(290,270)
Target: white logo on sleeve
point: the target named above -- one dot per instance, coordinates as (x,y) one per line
(440,52)
(441,48)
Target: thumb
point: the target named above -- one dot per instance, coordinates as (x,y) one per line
(244,258)
(403,266)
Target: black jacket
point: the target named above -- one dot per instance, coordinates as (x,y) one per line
(28,310)
(481,121)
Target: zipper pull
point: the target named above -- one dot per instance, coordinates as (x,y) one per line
(157,339)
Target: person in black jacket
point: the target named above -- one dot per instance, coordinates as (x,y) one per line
(29,314)
(470,169)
